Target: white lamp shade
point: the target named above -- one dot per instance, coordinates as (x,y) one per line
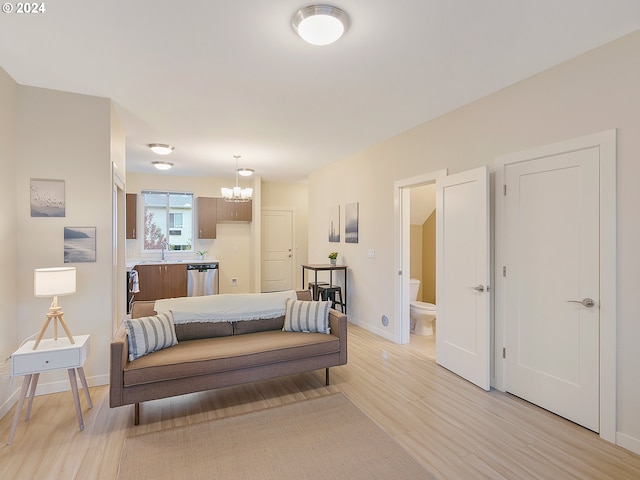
(56,281)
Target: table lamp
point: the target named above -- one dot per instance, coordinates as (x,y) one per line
(54,282)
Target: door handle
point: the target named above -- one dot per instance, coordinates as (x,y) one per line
(587,302)
(479,288)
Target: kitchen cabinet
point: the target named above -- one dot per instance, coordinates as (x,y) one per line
(207,214)
(156,281)
(234,211)
(131,215)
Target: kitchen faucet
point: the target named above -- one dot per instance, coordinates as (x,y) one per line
(164,245)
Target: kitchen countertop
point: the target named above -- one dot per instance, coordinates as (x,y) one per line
(132,263)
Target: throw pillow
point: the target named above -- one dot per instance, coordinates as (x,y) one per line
(304,316)
(149,334)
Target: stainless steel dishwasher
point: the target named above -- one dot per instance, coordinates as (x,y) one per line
(202,279)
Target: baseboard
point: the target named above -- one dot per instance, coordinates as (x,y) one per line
(628,442)
(48,388)
(9,402)
(384,333)
(63,385)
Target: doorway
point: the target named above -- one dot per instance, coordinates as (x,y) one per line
(462,270)
(422,258)
(402,190)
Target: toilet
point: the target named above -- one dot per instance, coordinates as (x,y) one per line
(422,314)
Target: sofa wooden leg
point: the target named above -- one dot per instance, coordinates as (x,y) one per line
(136,414)
(327,377)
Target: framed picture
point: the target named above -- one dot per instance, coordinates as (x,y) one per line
(334,224)
(79,244)
(47,198)
(351,223)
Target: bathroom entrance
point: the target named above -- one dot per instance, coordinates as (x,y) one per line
(462,270)
(422,253)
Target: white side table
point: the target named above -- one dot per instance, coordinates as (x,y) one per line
(50,355)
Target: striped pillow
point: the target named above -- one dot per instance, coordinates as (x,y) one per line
(149,334)
(303,316)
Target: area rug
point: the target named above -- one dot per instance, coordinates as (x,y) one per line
(323,438)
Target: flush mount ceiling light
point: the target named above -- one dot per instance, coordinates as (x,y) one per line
(162,165)
(161,148)
(237,194)
(320,24)
(245,172)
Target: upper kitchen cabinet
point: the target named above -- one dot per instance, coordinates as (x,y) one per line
(131,215)
(234,211)
(207,216)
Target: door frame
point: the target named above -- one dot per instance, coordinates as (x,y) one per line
(606,142)
(402,203)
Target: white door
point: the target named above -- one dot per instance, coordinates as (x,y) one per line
(552,283)
(277,250)
(462,275)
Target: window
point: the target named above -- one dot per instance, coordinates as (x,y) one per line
(168,217)
(175,220)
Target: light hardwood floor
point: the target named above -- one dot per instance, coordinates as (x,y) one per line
(455,429)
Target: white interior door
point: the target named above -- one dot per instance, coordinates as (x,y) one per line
(552,283)
(277,250)
(462,275)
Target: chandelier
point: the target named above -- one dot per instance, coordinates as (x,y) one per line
(237,194)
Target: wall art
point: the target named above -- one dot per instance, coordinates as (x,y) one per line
(47,198)
(351,222)
(79,244)
(334,224)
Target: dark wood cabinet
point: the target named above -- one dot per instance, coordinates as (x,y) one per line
(161,281)
(207,214)
(131,215)
(234,211)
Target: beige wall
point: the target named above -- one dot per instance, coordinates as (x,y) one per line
(63,136)
(429,259)
(595,92)
(416,247)
(8,237)
(423,257)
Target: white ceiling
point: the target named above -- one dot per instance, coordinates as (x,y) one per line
(221,78)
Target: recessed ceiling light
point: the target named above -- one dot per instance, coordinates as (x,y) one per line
(245,172)
(161,148)
(162,165)
(320,24)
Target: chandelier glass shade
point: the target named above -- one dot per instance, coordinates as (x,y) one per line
(236,194)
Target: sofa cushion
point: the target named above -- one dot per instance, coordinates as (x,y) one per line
(195,330)
(303,316)
(150,334)
(261,325)
(240,352)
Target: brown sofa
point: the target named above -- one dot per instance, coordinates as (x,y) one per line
(210,356)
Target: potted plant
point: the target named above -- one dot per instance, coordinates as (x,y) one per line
(201,254)
(332,257)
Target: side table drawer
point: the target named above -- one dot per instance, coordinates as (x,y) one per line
(39,362)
